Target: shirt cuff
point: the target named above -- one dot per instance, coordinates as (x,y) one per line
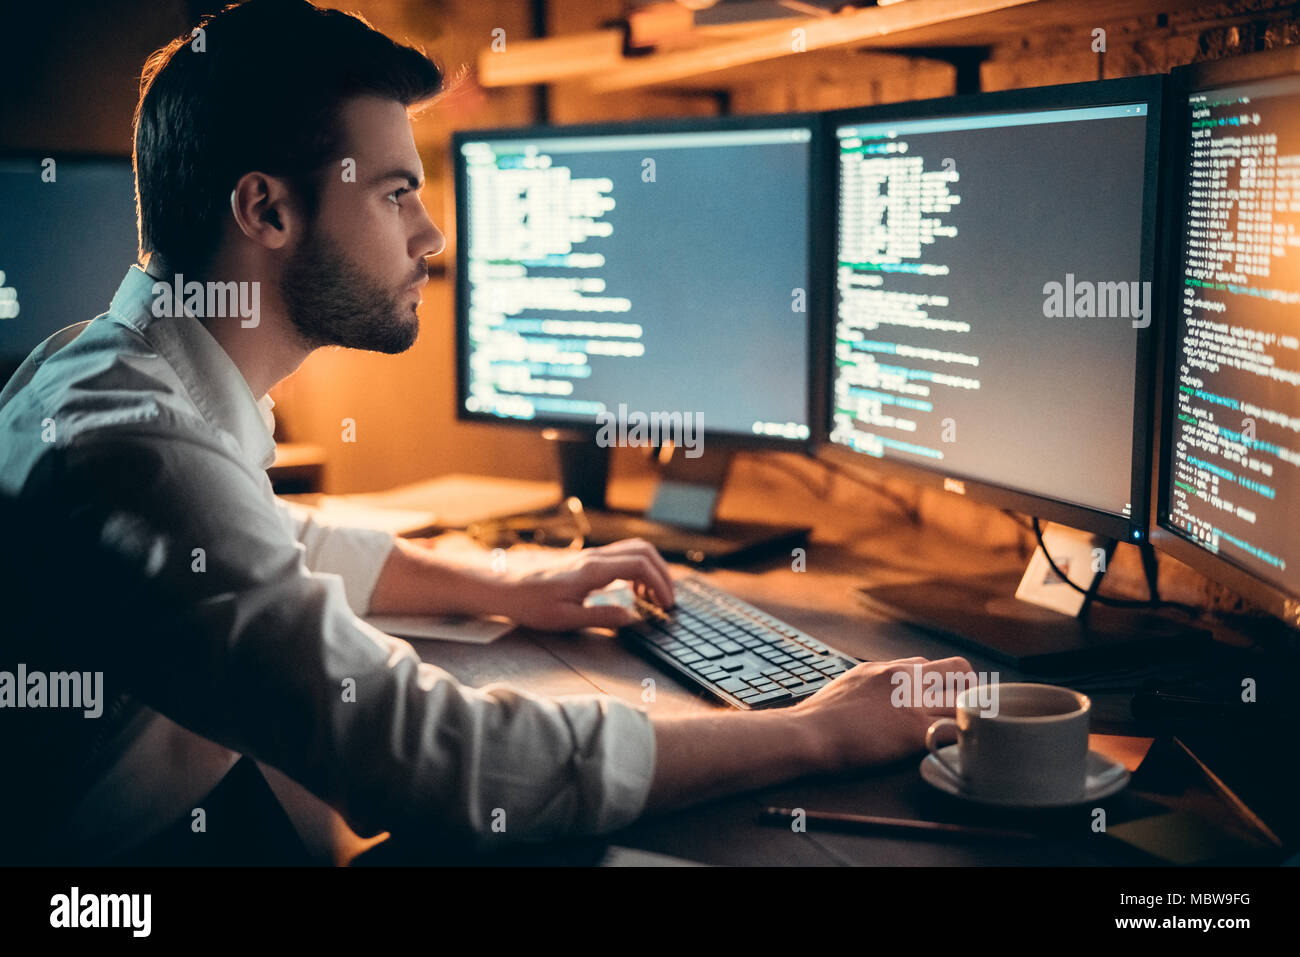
(357,555)
(614,759)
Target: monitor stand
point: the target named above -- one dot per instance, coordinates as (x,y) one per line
(680,521)
(984,614)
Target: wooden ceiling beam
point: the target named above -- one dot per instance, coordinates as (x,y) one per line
(824,33)
(596,57)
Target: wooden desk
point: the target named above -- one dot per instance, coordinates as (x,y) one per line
(849,546)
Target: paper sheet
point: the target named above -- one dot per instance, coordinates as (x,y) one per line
(474,631)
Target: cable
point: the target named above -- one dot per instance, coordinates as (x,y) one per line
(1153,602)
(1087,593)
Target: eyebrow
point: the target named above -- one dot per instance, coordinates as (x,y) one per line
(414,180)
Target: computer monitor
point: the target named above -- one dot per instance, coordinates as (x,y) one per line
(994,320)
(1227,488)
(69,236)
(642,283)
(993,296)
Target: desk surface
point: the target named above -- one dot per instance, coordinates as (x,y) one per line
(849,547)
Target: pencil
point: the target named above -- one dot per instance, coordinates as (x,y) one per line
(868,824)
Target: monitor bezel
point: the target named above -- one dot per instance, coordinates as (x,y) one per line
(1269,64)
(816,301)
(1147,89)
(10,361)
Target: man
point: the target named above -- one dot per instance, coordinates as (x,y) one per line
(274,156)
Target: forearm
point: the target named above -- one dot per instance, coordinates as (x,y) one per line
(702,757)
(415,582)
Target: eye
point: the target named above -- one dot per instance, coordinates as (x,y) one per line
(396,195)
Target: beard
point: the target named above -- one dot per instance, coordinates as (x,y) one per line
(332,302)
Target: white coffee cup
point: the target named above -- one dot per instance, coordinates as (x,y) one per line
(1031,746)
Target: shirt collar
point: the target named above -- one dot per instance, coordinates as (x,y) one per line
(214,383)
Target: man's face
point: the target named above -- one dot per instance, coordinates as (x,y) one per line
(354,278)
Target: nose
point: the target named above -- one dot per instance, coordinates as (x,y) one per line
(428,240)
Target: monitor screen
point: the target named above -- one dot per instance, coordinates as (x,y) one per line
(992,288)
(69,237)
(661,270)
(1233,405)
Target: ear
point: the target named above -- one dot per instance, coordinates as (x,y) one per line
(263,210)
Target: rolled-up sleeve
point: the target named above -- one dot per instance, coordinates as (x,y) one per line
(356,555)
(279,667)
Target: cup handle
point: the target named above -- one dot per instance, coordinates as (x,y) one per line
(930,734)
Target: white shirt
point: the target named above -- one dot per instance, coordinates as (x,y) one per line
(176,437)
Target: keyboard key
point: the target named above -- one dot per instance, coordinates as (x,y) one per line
(731,648)
(709,651)
(791,682)
(769,697)
(730,664)
(732,685)
(688,658)
(748,694)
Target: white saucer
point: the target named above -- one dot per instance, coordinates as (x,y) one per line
(1105,777)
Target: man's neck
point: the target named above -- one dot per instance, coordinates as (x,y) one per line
(265,347)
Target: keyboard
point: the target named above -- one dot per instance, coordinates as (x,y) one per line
(740,654)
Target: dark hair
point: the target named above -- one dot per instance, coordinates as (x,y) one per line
(263,93)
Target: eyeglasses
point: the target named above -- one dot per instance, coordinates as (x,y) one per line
(563,527)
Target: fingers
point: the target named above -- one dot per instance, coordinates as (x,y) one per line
(954,664)
(603,616)
(639,546)
(944,666)
(598,571)
(957,675)
(935,684)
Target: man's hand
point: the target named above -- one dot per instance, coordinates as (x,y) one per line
(552,599)
(856,718)
(850,724)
